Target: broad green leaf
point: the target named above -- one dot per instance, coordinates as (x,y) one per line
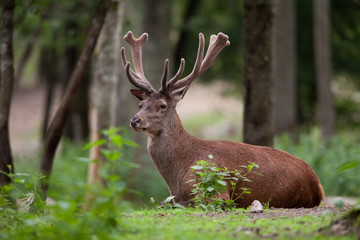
(347,166)
(93,144)
(84,159)
(222,182)
(110,131)
(210,189)
(206,178)
(196,167)
(179,206)
(22,174)
(113,178)
(168,199)
(129,164)
(110,154)
(18,180)
(130,143)
(117,140)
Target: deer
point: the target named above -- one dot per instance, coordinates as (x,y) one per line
(284,180)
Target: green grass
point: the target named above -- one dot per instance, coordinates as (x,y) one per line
(65,222)
(193,224)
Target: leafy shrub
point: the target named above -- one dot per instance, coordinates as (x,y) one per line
(211,181)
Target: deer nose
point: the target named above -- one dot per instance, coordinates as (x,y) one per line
(135,121)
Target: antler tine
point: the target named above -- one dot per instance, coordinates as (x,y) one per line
(165,76)
(217,43)
(178,74)
(137,78)
(195,72)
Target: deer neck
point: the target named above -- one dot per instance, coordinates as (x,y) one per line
(169,148)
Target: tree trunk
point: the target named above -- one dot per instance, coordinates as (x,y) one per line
(105,78)
(104,90)
(77,126)
(157,23)
(57,125)
(122,104)
(258,123)
(284,62)
(191,8)
(326,112)
(26,53)
(6,87)
(49,76)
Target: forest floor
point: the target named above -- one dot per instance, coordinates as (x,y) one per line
(314,223)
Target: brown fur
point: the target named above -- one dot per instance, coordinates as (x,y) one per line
(287,181)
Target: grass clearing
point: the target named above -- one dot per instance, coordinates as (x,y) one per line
(66,222)
(237,224)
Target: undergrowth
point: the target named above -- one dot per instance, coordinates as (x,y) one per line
(336,162)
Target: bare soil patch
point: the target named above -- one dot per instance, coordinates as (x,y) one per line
(286,212)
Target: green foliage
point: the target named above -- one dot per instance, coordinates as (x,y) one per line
(336,162)
(25,188)
(65,218)
(211,181)
(108,197)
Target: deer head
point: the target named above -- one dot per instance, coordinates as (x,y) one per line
(158,107)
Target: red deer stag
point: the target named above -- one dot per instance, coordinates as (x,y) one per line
(286,180)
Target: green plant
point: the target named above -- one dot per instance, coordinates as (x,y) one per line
(109,196)
(23,192)
(211,181)
(169,203)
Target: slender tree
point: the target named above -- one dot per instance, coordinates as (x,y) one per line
(326,111)
(283,67)
(77,125)
(6,87)
(57,125)
(49,75)
(105,78)
(258,118)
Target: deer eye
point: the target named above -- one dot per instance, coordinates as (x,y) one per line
(162,106)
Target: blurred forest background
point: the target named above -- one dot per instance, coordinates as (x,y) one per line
(314,81)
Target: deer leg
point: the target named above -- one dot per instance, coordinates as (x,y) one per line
(225,196)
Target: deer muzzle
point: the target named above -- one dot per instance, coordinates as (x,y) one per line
(137,124)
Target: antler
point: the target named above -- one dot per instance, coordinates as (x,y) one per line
(217,43)
(137,78)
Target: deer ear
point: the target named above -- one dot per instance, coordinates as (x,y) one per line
(140,94)
(178,94)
